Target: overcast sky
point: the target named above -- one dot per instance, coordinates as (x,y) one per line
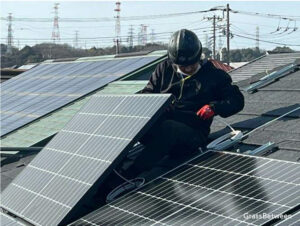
(101,34)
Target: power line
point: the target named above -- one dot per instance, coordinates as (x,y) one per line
(284,17)
(111,37)
(268,35)
(278,43)
(106,19)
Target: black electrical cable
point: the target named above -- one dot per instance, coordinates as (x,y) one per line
(277,43)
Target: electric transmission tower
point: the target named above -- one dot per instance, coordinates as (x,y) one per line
(130,37)
(144,34)
(9,35)
(140,35)
(152,36)
(257,37)
(117,27)
(55,32)
(76,39)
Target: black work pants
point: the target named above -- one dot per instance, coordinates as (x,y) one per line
(168,137)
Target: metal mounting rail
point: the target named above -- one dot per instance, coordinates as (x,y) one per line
(262,149)
(271,77)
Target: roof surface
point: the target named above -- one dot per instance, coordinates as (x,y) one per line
(220,65)
(263,64)
(265,105)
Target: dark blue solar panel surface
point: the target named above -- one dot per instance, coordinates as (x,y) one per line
(91,144)
(215,189)
(48,87)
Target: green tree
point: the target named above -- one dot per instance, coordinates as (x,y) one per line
(283,49)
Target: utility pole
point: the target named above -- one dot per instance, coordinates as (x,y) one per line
(206,41)
(214,37)
(228,35)
(214,18)
(9,35)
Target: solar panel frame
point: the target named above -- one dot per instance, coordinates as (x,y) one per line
(71,149)
(208,193)
(59,80)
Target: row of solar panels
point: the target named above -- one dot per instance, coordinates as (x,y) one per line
(216,188)
(50,86)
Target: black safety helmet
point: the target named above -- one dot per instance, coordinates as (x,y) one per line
(184,48)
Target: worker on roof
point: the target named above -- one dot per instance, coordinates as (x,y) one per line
(201,90)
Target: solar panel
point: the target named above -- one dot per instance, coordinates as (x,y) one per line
(214,189)
(292,220)
(7,220)
(48,87)
(81,156)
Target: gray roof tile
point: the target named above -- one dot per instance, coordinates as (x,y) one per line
(265,63)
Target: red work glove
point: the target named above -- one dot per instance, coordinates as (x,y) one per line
(206,112)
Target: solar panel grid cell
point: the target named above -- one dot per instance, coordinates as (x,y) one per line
(77,157)
(218,190)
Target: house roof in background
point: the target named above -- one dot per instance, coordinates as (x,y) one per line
(28,66)
(8,73)
(220,65)
(263,64)
(236,65)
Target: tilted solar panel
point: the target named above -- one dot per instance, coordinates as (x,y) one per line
(215,189)
(7,220)
(81,156)
(48,87)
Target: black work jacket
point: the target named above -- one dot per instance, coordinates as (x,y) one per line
(209,85)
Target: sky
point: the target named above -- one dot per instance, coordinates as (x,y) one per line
(101,33)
